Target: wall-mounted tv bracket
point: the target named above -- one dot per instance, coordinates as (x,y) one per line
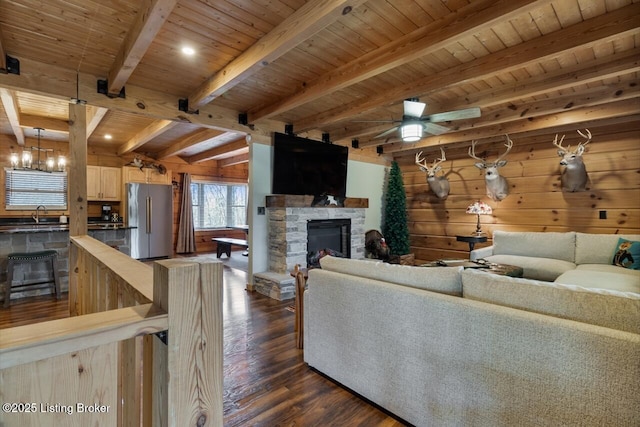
(103,88)
(183,105)
(355,143)
(13,65)
(288,129)
(326,138)
(243,119)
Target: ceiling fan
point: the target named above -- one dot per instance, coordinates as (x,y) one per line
(413,124)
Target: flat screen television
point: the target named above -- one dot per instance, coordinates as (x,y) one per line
(303,166)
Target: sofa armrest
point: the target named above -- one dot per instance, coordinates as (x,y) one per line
(481,253)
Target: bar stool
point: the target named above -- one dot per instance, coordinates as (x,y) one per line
(18,258)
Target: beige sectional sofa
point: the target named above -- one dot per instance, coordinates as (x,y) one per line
(572,258)
(443,346)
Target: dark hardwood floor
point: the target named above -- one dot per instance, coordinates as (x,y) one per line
(266,381)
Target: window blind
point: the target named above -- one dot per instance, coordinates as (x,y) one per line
(26,190)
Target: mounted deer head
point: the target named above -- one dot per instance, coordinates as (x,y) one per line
(497,186)
(439,185)
(574,176)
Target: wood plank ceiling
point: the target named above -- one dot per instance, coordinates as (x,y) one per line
(321,66)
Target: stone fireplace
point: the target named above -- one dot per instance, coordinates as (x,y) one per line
(288,217)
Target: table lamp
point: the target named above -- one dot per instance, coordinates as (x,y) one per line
(479,208)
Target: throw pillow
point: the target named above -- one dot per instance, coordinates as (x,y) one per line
(627,254)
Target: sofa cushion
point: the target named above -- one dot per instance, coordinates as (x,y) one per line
(609,269)
(616,310)
(559,246)
(598,248)
(602,279)
(535,267)
(445,280)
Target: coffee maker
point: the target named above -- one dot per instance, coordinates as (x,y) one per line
(106,213)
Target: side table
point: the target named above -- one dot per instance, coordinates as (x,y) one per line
(471,240)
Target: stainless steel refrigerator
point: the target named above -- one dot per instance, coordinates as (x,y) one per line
(150,211)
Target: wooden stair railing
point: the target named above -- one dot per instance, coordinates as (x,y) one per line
(106,365)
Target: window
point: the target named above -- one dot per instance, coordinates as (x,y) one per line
(25,190)
(218,205)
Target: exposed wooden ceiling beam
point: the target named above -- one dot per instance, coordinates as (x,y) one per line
(604,27)
(233,160)
(603,68)
(198,137)
(589,97)
(3,56)
(572,119)
(307,20)
(150,18)
(48,123)
(238,144)
(584,73)
(146,135)
(452,28)
(94,117)
(12,112)
(57,82)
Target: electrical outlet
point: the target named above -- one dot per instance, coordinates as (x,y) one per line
(603,214)
(261,210)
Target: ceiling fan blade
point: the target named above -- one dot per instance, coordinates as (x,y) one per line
(413,108)
(435,129)
(386,132)
(468,113)
(376,121)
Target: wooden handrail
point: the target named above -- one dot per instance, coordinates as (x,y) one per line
(138,275)
(29,343)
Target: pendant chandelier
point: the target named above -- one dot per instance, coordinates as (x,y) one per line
(44,159)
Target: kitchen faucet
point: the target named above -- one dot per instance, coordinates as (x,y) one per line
(36,216)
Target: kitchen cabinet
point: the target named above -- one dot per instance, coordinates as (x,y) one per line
(104,183)
(145,175)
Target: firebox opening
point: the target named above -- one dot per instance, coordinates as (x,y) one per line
(329,234)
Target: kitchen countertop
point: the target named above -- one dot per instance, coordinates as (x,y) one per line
(57,227)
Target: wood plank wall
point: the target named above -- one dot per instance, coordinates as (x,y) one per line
(535,202)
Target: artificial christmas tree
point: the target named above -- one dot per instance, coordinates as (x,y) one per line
(394,227)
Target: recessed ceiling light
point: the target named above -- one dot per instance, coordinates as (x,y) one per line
(188,50)
(107,136)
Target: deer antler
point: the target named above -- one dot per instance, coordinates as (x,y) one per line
(421,162)
(440,160)
(559,144)
(509,145)
(587,137)
(472,151)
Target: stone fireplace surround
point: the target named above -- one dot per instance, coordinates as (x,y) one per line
(287,234)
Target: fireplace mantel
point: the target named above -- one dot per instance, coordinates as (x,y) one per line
(293,201)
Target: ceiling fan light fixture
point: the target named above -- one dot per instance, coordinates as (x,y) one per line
(411,132)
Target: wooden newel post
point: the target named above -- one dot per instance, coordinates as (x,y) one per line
(187,371)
